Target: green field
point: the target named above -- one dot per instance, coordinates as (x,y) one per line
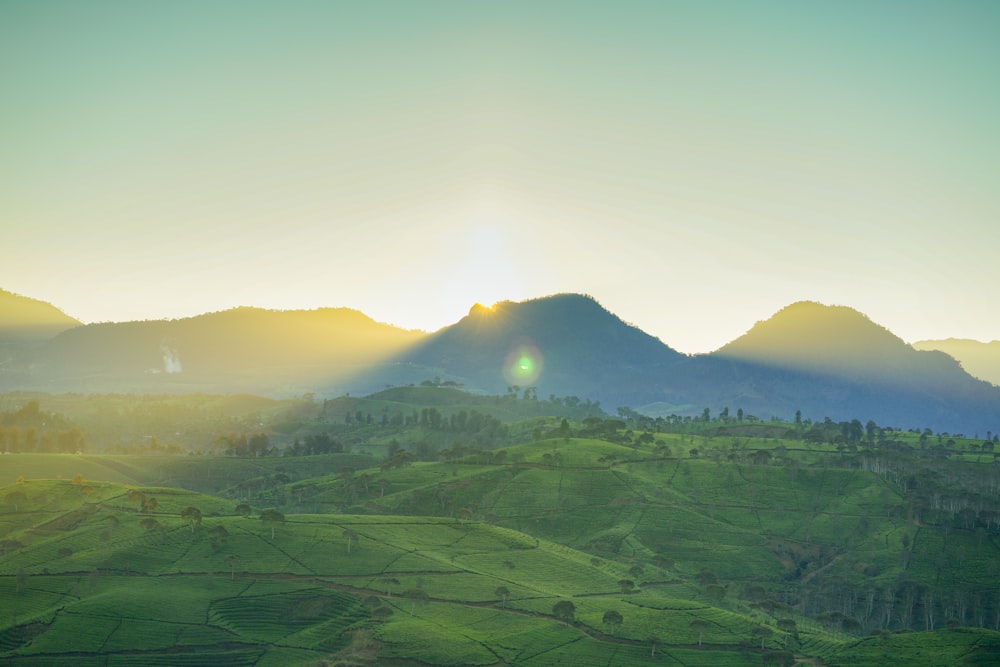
(690,547)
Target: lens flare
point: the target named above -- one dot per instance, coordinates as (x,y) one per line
(523,364)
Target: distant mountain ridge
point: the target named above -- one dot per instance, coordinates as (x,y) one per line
(979,359)
(832,361)
(827,361)
(23,318)
(242,349)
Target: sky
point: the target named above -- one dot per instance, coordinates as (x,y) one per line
(694,166)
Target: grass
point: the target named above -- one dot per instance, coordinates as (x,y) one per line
(556,520)
(301,589)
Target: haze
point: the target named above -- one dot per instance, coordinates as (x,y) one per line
(691,165)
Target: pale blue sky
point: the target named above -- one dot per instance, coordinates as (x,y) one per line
(694,166)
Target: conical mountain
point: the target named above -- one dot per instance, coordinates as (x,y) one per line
(840,341)
(22,318)
(566,344)
(832,361)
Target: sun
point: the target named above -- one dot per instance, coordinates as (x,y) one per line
(488,270)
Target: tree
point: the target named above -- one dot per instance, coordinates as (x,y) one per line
(654,641)
(715,592)
(149,523)
(389,583)
(272,517)
(350,536)
(788,626)
(219,535)
(191,515)
(382,613)
(699,625)
(15,498)
(9,546)
(612,619)
(231,560)
(626,585)
(415,596)
(20,581)
(763,632)
(779,659)
(662,562)
(244,509)
(706,577)
(564,431)
(362,650)
(112,521)
(564,610)
(502,592)
(136,496)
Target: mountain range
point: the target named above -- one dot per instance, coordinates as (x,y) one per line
(980,359)
(823,361)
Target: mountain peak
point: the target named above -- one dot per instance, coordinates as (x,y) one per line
(577,347)
(814,336)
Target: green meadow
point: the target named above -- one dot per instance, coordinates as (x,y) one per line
(578,541)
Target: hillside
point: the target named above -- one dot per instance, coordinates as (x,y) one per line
(22,318)
(728,541)
(194,581)
(979,359)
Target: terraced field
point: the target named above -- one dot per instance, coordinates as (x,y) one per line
(561,551)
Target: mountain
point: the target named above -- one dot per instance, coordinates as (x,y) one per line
(979,359)
(826,339)
(834,361)
(566,344)
(22,318)
(243,349)
(825,361)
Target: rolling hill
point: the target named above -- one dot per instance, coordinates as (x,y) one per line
(92,580)
(22,318)
(718,543)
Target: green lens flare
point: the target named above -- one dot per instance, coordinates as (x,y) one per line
(523,365)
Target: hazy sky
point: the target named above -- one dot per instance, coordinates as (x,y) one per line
(695,166)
